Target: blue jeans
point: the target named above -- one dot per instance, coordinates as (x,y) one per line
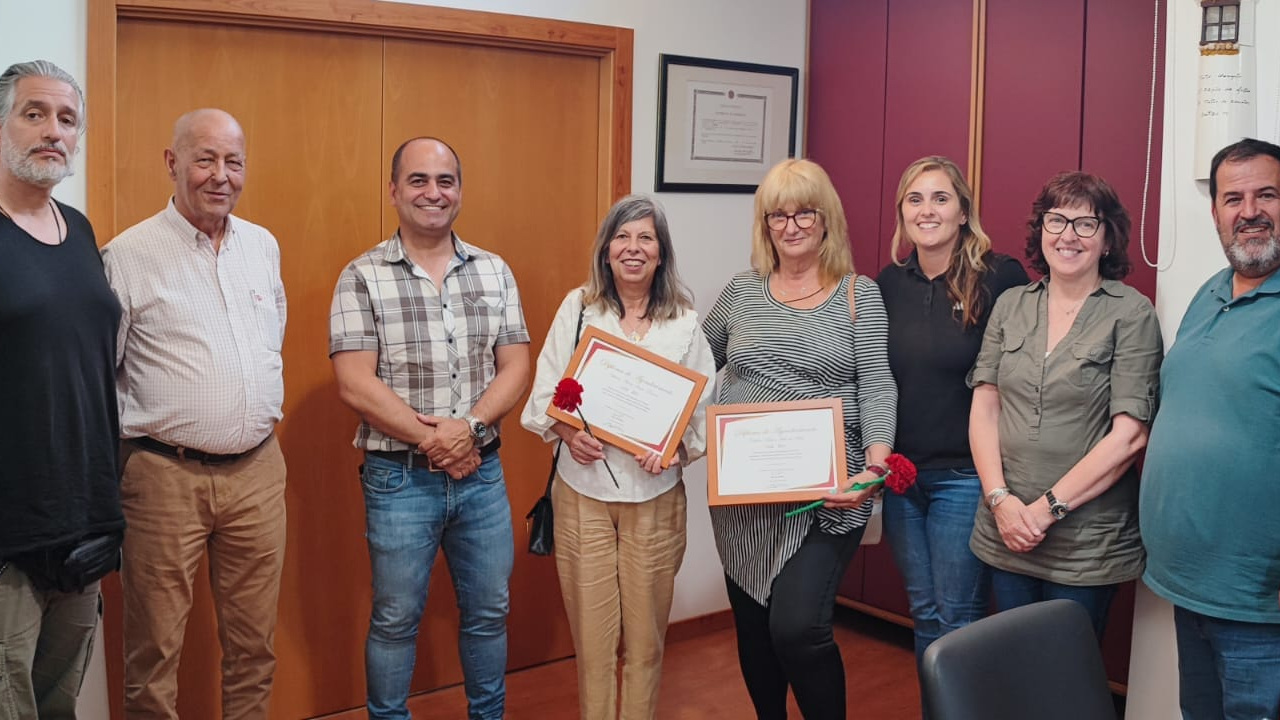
(1014,590)
(928,529)
(1228,670)
(410,513)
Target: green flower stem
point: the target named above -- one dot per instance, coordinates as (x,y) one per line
(818,503)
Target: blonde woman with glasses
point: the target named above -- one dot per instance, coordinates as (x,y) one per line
(801,324)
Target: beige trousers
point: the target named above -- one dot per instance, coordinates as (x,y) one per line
(617,564)
(176,511)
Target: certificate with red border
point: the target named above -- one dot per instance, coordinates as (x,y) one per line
(633,398)
(774,452)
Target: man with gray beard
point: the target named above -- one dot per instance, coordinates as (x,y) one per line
(1210,483)
(60,517)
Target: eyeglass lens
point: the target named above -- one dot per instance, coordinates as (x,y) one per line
(1085,225)
(804,219)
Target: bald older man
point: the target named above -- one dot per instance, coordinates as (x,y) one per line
(200,390)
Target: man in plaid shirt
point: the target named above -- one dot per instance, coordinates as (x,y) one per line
(429,346)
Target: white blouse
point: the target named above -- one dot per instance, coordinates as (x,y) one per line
(680,340)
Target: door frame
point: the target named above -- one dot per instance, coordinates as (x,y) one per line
(612,46)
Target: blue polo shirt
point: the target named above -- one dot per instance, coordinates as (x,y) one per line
(1210,490)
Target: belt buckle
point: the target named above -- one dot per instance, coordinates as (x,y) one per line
(432,467)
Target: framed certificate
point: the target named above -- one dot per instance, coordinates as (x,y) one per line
(722,124)
(774,452)
(632,398)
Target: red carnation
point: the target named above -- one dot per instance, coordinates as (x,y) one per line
(902,473)
(568,395)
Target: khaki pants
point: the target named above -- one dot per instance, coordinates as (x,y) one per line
(46,638)
(176,509)
(617,564)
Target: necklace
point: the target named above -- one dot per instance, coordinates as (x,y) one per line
(778,291)
(1075,307)
(57,222)
(804,297)
(637,331)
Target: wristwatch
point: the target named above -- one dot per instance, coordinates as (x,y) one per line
(1057,509)
(478,429)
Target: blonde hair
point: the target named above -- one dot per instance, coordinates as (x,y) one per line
(964,272)
(802,184)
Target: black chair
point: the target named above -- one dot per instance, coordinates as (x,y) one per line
(1037,662)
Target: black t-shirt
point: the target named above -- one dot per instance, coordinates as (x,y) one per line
(59,430)
(931,353)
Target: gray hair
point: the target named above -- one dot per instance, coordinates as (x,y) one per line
(668,295)
(35,68)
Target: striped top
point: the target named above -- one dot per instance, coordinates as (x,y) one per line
(773,353)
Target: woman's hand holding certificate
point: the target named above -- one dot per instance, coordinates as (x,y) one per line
(637,400)
(774,452)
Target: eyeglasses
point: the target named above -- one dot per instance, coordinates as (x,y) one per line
(1086,226)
(804,219)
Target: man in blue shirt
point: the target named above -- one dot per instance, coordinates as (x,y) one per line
(1211,483)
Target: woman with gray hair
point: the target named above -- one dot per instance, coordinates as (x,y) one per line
(618,547)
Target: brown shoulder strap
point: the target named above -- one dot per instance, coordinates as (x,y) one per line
(853,305)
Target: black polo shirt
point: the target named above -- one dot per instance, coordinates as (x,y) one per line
(930,354)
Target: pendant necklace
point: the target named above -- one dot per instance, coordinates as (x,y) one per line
(57,222)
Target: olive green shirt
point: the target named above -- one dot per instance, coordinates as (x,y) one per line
(1054,409)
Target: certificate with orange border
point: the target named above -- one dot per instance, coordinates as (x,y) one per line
(633,398)
(774,452)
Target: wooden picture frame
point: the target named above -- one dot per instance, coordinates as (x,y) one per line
(777,447)
(632,378)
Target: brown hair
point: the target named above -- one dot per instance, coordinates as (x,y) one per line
(1080,188)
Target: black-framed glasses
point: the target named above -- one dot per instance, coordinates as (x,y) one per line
(1086,226)
(804,219)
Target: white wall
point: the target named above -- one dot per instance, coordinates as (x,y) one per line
(711,231)
(1189,254)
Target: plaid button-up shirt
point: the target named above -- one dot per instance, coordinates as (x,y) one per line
(435,345)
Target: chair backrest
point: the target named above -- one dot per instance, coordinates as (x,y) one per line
(1039,661)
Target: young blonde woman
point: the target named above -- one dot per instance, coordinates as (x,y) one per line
(938,293)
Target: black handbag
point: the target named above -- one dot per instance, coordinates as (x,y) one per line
(540,520)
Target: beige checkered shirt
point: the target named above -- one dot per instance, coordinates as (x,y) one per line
(435,346)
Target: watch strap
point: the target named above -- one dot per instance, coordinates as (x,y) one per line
(1056,508)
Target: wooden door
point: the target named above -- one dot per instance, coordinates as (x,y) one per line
(322,112)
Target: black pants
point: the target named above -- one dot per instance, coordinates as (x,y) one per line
(789,642)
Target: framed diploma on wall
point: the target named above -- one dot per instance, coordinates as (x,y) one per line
(722,124)
(774,452)
(632,398)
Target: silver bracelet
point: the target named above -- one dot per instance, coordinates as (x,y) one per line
(995,497)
